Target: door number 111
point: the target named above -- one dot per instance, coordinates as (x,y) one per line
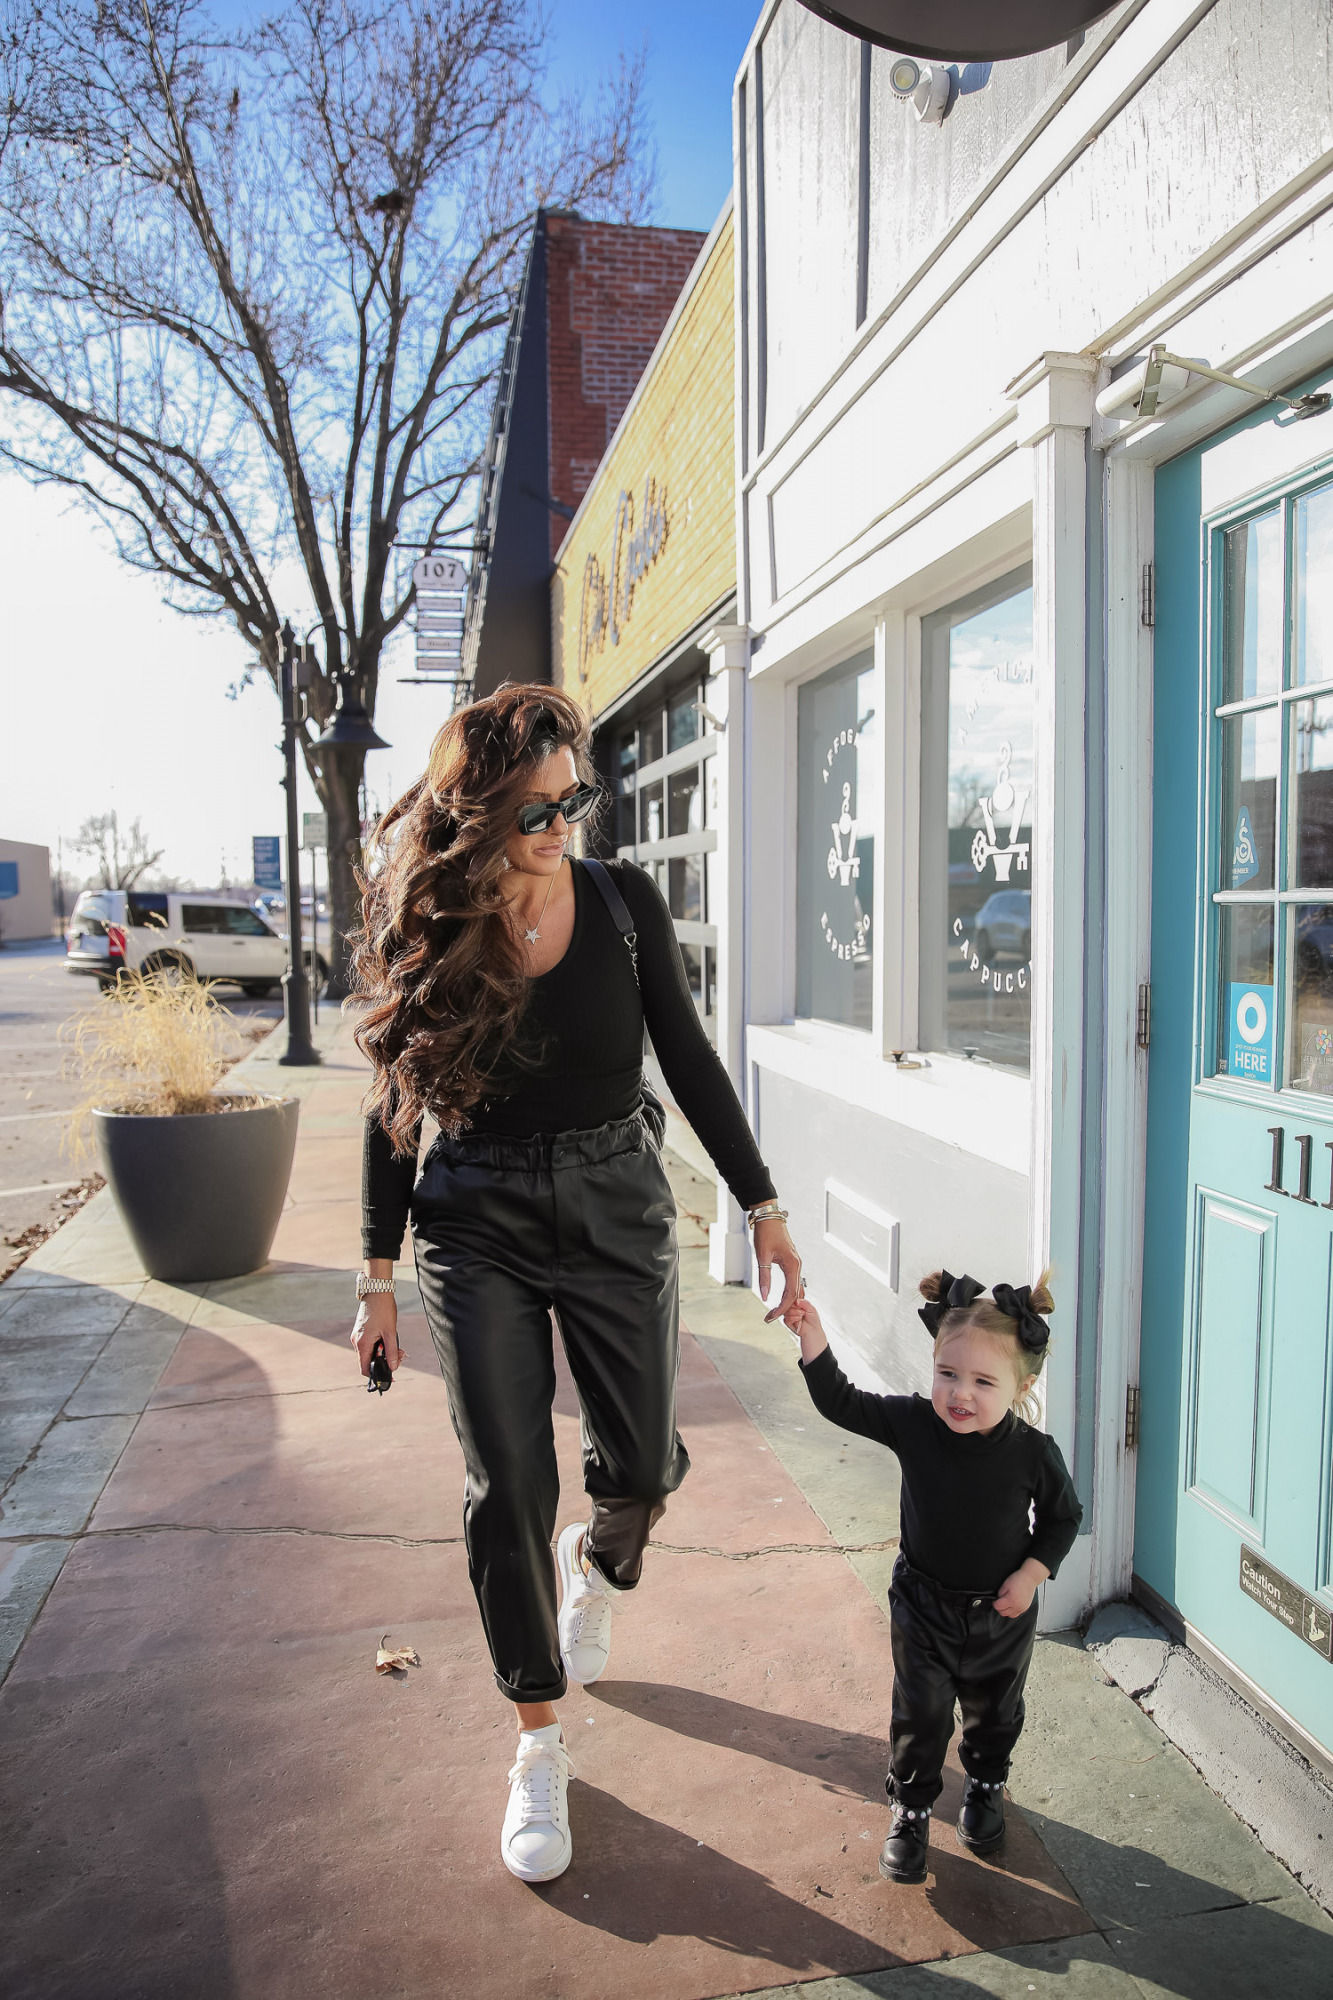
(1305,1140)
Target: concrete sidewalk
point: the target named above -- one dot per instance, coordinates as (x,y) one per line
(208,1526)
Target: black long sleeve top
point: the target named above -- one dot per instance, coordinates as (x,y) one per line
(581,1035)
(973,1507)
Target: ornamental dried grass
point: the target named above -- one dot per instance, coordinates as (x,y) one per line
(152,1048)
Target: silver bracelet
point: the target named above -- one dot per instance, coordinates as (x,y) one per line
(365,1286)
(766,1211)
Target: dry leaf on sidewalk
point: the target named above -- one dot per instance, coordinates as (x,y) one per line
(390,1657)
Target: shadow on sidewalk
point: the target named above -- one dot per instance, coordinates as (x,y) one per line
(654,1882)
(842,1762)
(962,1891)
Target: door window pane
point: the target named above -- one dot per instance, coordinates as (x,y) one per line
(1252,616)
(682,718)
(628,753)
(1249,755)
(1245,1024)
(650,739)
(1314,587)
(837,813)
(650,812)
(1312,735)
(694,958)
(685,801)
(1311,946)
(203,918)
(685,894)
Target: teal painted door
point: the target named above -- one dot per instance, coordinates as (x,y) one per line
(1234,1521)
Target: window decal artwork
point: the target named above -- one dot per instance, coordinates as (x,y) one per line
(838,810)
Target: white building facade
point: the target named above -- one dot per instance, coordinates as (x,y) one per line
(1020,680)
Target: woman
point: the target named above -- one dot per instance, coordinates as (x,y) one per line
(508,997)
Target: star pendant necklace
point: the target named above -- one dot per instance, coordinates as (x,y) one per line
(532,936)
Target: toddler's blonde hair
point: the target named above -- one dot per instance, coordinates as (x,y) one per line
(989,1318)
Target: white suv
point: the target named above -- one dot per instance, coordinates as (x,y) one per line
(211,937)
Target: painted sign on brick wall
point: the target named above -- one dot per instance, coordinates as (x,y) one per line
(653,548)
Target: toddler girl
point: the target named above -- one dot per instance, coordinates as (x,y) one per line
(988,1513)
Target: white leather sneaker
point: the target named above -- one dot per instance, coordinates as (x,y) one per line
(535,1843)
(586,1604)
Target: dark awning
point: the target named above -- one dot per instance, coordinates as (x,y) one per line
(962,30)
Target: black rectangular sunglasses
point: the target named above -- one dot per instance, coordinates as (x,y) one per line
(539,819)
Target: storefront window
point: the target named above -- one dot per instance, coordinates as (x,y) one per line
(662,763)
(837,814)
(978,782)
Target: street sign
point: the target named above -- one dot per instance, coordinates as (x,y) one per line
(267,850)
(314,830)
(441,583)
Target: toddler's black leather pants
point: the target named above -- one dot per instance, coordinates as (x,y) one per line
(951,1644)
(507,1231)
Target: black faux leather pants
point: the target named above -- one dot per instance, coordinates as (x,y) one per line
(506,1231)
(947,1645)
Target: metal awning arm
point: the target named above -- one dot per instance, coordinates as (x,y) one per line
(1312,405)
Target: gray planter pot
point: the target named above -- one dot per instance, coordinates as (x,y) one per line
(201,1195)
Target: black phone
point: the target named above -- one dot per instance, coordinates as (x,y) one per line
(381,1375)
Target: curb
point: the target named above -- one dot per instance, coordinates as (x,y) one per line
(1255,1771)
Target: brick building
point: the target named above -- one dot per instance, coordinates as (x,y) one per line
(594,300)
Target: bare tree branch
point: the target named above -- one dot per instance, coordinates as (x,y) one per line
(254,287)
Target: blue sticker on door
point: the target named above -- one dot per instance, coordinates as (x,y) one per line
(1244,853)
(1250,1032)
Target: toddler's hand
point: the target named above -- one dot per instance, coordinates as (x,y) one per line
(803,1320)
(1016,1593)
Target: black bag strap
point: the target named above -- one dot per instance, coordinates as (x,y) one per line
(618,907)
(654,1111)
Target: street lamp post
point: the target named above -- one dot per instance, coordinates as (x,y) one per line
(350,731)
(301,1051)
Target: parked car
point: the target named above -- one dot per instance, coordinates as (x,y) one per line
(207,937)
(1004,924)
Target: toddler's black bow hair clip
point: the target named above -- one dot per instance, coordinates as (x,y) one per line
(1016,1302)
(954,1293)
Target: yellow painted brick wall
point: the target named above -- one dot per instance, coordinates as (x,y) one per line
(678,436)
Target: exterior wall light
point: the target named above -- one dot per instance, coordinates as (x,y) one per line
(929,85)
(930,99)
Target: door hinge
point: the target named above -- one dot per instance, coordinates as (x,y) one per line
(1143,1016)
(1148,595)
(1132,1417)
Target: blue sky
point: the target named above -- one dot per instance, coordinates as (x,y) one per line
(694,49)
(110,699)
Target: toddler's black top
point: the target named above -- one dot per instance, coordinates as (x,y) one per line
(967,1501)
(578,1058)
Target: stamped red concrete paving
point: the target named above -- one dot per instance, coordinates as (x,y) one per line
(210,1792)
(217,1795)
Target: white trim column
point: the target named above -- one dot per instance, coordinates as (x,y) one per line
(1129,731)
(1054,399)
(728,650)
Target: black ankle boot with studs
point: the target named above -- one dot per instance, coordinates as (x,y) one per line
(903,1855)
(981,1820)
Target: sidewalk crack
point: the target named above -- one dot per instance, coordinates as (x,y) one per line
(779,1549)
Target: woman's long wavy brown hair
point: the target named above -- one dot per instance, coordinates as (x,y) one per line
(436,958)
